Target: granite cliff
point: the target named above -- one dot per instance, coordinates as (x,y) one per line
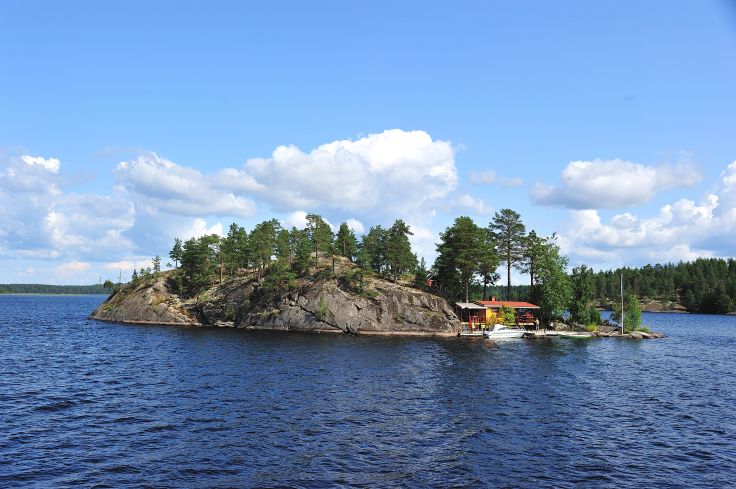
(319,302)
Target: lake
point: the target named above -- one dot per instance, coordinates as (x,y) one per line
(85,403)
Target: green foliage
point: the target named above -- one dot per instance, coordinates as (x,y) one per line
(55,289)
(262,243)
(108,285)
(156,264)
(464,251)
(508,233)
(706,285)
(176,252)
(235,250)
(279,280)
(533,252)
(346,242)
(371,250)
(554,284)
(421,274)
(301,250)
(352,279)
(398,255)
(632,312)
(320,235)
(582,284)
(322,309)
(507,316)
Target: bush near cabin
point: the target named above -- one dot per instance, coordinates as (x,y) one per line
(507,316)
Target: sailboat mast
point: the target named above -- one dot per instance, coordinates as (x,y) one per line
(622,302)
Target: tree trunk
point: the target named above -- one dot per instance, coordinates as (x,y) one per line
(485,284)
(508,280)
(467,285)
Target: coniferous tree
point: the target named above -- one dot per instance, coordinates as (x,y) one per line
(320,235)
(554,284)
(460,253)
(346,242)
(533,250)
(399,257)
(582,287)
(302,250)
(508,232)
(156,264)
(371,252)
(176,252)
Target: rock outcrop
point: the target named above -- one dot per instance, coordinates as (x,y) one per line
(316,303)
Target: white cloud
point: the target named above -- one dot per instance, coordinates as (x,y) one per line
(50,164)
(297,219)
(199,228)
(128,265)
(683,230)
(489,177)
(162,185)
(511,182)
(356,226)
(608,184)
(485,177)
(72,268)
(465,202)
(39,221)
(380,174)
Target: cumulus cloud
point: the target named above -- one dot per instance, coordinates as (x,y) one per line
(72,268)
(466,202)
(49,164)
(511,182)
(391,172)
(683,230)
(485,177)
(128,265)
(39,221)
(609,184)
(489,177)
(356,226)
(199,228)
(162,185)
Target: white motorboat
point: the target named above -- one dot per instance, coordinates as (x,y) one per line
(500,331)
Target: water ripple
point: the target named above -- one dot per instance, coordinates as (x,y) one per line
(105,405)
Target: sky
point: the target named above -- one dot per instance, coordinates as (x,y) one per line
(126,124)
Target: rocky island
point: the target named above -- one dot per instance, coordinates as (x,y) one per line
(320,301)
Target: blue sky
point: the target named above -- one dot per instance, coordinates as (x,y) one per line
(125,124)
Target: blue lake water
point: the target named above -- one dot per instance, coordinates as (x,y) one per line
(98,404)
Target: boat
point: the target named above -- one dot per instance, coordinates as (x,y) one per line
(501,331)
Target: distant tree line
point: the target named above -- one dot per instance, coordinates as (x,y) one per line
(51,289)
(706,285)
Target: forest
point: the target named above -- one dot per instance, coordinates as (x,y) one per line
(51,289)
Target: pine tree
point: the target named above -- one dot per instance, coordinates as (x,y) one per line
(320,235)
(156,264)
(508,232)
(176,252)
(461,252)
(347,244)
(399,257)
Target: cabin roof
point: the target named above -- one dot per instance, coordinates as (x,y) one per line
(469,305)
(514,304)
